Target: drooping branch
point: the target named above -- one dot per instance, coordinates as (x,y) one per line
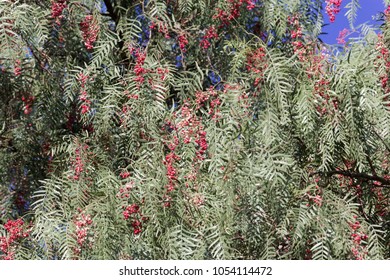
(356,175)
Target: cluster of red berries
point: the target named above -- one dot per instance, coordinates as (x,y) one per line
(169,162)
(15,232)
(140,60)
(139,70)
(183,42)
(232,11)
(256,63)
(215,101)
(308,251)
(78,165)
(333,8)
(124,174)
(89,29)
(211,33)
(162,27)
(130,96)
(202,144)
(321,88)
(296,34)
(83,225)
(124,192)
(163,72)
(250,5)
(342,35)
(77,162)
(359,250)
(384,59)
(130,210)
(300,50)
(85,105)
(56,9)
(214,112)
(189,130)
(133,211)
(190,127)
(27,101)
(200,98)
(314,67)
(17,68)
(387,12)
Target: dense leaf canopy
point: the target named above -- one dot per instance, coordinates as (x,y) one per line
(192,129)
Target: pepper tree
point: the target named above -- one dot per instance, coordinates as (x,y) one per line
(192,129)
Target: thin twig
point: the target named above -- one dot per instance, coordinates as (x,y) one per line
(385,183)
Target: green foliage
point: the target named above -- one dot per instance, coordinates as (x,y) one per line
(204,137)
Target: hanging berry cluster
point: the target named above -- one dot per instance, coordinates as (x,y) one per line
(89,29)
(308,251)
(300,49)
(27,101)
(342,35)
(124,192)
(130,212)
(85,102)
(15,233)
(232,12)
(190,127)
(155,78)
(188,130)
(17,68)
(169,162)
(359,240)
(77,161)
(162,27)
(211,33)
(321,88)
(57,6)
(383,60)
(314,61)
(133,213)
(124,174)
(183,42)
(83,236)
(139,70)
(212,96)
(256,63)
(332,8)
